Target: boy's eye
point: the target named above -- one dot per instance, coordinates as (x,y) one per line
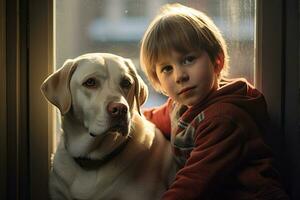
(188,60)
(166,69)
(90,83)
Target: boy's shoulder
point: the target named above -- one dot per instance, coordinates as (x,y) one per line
(226,112)
(238,101)
(223,109)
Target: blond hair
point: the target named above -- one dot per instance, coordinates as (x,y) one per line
(182,29)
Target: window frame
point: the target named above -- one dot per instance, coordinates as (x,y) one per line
(26,59)
(41,57)
(14,129)
(3,143)
(277,76)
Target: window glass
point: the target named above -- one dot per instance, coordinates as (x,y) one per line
(117,26)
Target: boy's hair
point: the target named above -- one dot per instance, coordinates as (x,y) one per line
(182,29)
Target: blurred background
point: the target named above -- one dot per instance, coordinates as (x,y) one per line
(117,26)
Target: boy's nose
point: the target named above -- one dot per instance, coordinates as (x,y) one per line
(181,76)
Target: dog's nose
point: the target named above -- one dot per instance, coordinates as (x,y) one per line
(117,109)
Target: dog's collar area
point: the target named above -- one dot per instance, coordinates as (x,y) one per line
(89,164)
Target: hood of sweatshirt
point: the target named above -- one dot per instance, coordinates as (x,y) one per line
(237,92)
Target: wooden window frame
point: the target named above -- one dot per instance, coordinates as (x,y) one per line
(3,139)
(277,76)
(41,117)
(26,59)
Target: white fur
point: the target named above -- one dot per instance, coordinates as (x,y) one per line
(142,170)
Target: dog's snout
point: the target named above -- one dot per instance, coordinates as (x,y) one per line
(117,109)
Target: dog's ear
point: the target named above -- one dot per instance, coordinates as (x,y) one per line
(56,88)
(141,89)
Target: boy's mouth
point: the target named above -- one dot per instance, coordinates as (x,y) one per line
(184,90)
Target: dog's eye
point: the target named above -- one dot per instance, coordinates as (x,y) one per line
(90,83)
(125,83)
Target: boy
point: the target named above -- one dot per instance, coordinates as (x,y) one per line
(214,124)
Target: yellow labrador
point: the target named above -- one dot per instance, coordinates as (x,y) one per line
(108,150)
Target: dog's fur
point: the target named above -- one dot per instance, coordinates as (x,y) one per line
(108,150)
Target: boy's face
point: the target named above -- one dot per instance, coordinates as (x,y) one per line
(187,78)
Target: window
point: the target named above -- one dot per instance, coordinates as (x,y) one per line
(117,27)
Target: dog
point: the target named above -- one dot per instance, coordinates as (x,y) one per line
(108,150)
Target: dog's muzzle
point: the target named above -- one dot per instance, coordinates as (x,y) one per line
(121,126)
(118,119)
(117,110)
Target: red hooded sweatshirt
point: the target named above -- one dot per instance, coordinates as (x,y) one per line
(219,147)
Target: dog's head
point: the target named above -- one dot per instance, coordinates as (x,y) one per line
(100,90)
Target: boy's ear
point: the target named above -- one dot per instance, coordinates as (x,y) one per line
(219,63)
